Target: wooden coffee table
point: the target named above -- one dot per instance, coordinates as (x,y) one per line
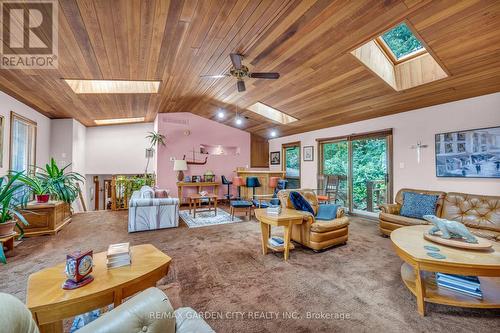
(50,304)
(196,199)
(417,270)
(286,219)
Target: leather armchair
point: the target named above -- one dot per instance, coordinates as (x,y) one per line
(150,311)
(317,235)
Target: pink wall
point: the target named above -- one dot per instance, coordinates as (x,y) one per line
(202,131)
(409,128)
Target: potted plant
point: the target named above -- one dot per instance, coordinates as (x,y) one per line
(155,138)
(38,186)
(11,200)
(61,185)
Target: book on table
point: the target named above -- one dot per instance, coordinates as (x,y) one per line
(118,255)
(468,285)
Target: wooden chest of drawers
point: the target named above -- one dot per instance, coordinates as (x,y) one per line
(46,218)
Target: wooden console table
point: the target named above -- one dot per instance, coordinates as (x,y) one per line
(46,218)
(198,185)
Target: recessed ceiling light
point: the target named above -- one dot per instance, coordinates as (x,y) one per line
(118,121)
(273,133)
(113,86)
(239,121)
(220,115)
(271,113)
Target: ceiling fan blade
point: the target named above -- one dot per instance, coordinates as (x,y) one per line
(271,76)
(220,76)
(236,60)
(241,85)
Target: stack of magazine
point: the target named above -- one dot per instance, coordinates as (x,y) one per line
(468,285)
(273,210)
(118,255)
(276,242)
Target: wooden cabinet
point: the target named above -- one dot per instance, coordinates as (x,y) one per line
(259,152)
(46,218)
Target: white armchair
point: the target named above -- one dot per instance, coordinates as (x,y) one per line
(146,212)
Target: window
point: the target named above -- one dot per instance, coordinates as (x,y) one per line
(22,143)
(401,42)
(291,164)
(271,113)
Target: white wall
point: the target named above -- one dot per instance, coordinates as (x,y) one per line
(409,128)
(117,149)
(61,145)
(8,104)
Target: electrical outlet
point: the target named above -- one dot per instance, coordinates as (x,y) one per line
(401,165)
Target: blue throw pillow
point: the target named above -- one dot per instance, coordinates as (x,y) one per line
(327,212)
(300,203)
(417,205)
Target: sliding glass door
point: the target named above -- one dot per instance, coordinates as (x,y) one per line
(355,171)
(291,164)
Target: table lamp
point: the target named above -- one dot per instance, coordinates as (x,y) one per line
(180,166)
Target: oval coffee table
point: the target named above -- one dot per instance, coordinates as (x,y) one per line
(417,271)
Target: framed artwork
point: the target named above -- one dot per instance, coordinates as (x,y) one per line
(308,153)
(468,153)
(196,179)
(275,158)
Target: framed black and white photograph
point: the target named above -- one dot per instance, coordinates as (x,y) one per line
(308,153)
(275,158)
(469,153)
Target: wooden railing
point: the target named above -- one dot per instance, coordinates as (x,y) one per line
(122,187)
(375,189)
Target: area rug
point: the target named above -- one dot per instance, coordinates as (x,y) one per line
(206,218)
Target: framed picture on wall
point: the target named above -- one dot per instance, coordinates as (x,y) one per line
(308,153)
(275,158)
(468,153)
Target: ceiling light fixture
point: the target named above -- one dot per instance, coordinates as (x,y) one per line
(238,120)
(271,113)
(113,86)
(273,133)
(118,121)
(220,114)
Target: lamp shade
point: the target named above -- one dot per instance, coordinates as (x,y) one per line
(180,165)
(238,181)
(253,182)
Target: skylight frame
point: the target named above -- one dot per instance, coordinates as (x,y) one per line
(257,109)
(381,43)
(119,121)
(89,86)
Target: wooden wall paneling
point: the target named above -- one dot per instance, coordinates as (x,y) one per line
(259,152)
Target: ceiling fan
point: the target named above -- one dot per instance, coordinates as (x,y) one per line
(240,71)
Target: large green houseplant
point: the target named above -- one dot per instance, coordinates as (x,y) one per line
(61,184)
(155,138)
(38,186)
(12,200)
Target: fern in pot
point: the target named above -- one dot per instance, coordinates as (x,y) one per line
(61,184)
(10,205)
(38,186)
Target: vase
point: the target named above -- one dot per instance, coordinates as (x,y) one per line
(42,198)
(7,228)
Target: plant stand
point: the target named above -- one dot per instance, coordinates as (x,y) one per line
(8,242)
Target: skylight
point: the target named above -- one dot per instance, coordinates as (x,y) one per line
(113,86)
(401,42)
(115,121)
(271,113)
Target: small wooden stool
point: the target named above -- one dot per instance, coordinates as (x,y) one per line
(241,205)
(8,241)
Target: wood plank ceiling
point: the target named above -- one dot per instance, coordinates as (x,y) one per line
(307,41)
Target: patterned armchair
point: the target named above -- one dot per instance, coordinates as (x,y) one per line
(146,212)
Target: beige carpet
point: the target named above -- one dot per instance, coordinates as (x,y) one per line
(220,269)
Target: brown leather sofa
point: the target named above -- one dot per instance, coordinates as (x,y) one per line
(480,213)
(317,235)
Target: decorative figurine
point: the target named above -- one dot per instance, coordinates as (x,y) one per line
(78,268)
(450,229)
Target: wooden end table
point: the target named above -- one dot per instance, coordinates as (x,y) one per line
(417,270)
(196,199)
(50,304)
(286,219)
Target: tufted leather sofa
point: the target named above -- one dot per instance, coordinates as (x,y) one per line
(149,311)
(317,235)
(480,213)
